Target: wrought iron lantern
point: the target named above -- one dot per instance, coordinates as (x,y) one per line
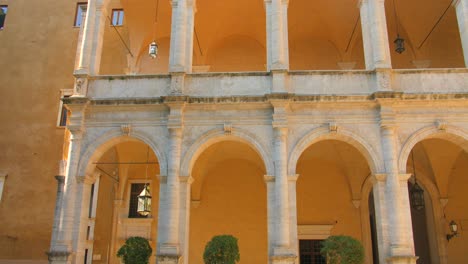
(417,196)
(416,192)
(399,44)
(153,50)
(454,229)
(144,201)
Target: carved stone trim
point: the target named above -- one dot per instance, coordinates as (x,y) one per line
(268,178)
(333,127)
(441,125)
(227,128)
(356,203)
(126,129)
(381,177)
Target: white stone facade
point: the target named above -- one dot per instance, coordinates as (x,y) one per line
(381,112)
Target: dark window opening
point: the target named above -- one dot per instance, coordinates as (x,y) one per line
(117,17)
(3,12)
(80,11)
(135,190)
(63,114)
(309,251)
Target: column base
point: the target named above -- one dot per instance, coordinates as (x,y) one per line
(402,260)
(168,259)
(58,257)
(283,256)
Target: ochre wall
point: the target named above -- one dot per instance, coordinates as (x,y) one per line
(37,51)
(323,197)
(233,201)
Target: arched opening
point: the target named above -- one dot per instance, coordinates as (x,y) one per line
(429,43)
(228,196)
(229,36)
(332,176)
(440,168)
(123,170)
(325,35)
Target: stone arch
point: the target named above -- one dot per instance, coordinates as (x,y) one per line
(342,134)
(214,136)
(111,138)
(453,134)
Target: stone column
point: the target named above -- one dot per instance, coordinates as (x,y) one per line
(181,49)
(65,242)
(271,216)
(90,45)
(375,41)
(401,250)
(184,220)
(461,7)
(81,219)
(169,243)
(277,43)
(58,204)
(292,183)
(63,245)
(282,251)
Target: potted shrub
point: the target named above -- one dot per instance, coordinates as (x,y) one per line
(136,250)
(221,249)
(342,250)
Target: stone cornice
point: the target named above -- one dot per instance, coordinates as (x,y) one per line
(395,97)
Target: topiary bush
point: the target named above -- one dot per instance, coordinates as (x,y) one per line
(136,250)
(222,249)
(342,250)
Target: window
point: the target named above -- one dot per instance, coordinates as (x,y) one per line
(80,11)
(3,176)
(3,12)
(309,252)
(117,17)
(135,190)
(63,112)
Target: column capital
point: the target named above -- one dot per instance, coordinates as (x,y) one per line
(60,179)
(379,177)
(269,178)
(186,179)
(84,180)
(293,178)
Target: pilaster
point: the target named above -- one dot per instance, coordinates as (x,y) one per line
(400,248)
(277,35)
(375,41)
(64,241)
(88,57)
(173,207)
(461,8)
(282,252)
(181,50)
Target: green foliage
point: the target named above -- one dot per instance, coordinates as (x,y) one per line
(342,250)
(222,250)
(136,250)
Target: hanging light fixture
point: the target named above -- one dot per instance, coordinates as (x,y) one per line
(399,41)
(416,192)
(144,198)
(454,229)
(153,47)
(399,44)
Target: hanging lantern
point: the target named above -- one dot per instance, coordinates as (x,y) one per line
(417,196)
(399,44)
(454,229)
(144,201)
(153,50)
